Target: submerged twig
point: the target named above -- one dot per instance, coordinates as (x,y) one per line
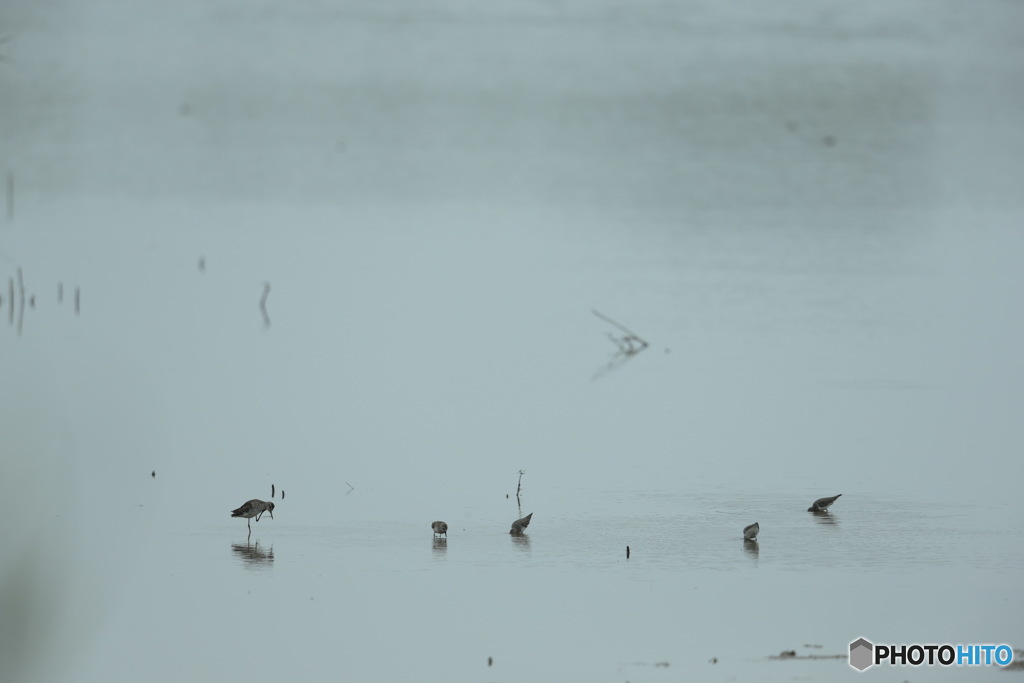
(519,487)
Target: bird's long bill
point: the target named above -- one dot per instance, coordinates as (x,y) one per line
(271,513)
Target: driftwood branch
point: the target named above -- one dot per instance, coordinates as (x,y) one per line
(627,344)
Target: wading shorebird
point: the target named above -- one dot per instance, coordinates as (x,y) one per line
(253,508)
(750,532)
(822,504)
(440,528)
(520,524)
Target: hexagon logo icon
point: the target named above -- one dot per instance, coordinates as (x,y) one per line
(861,654)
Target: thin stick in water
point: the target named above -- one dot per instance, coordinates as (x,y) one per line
(263,304)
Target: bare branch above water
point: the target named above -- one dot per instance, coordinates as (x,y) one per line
(628,344)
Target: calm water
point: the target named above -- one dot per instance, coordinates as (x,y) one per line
(812,216)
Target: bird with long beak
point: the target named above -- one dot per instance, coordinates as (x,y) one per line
(253,508)
(822,504)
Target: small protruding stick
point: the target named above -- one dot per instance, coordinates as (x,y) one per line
(627,552)
(263,304)
(519,488)
(21,299)
(271,490)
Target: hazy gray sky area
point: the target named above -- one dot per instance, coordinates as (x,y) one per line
(354,250)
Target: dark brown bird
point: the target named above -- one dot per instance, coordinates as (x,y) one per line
(253,508)
(822,504)
(440,528)
(520,524)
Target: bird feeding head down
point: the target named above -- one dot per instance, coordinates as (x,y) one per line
(270,509)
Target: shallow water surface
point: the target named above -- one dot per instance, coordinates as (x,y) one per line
(810,214)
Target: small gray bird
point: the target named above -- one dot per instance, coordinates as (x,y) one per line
(520,524)
(822,504)
(253,508)
(440,528)
(750,532)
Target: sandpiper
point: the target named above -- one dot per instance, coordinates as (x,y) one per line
(253,508)
(822,504)
(440,528)
(520,524)
(750,532)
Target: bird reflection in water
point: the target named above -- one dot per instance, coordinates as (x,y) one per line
(825,517)
(751,548)
(252,556)
(522,541)
(440,546)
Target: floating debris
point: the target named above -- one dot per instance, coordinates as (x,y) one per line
(154,474)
